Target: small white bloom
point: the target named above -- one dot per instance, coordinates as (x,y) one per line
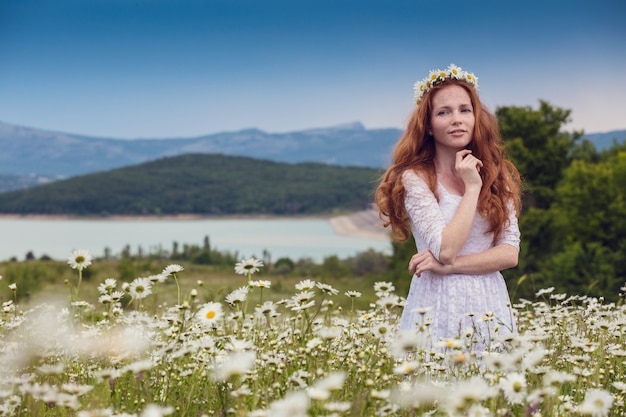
(80,259)
(334,381)
(293,405)
(210,313)
(238,296)
(268,309)
(236,364)
(305,285)
(140,288)
(261,284)
(544,291)
(384,287)
(514,387)
(597,403)
(172,269)
(158,277)
(327,289)
(153,410)
(248,266)
(107,286)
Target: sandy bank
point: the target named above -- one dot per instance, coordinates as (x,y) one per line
(365,224)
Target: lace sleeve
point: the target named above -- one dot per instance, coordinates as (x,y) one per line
(510,234)
(427,221)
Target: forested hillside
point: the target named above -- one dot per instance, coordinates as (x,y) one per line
(205,185)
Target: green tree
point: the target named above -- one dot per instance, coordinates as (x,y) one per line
(590,213)
(538,147)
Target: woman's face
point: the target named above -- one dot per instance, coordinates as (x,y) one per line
(452,118)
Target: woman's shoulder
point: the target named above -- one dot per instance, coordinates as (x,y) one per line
(414,175)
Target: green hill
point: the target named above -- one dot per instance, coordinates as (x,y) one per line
(203,184)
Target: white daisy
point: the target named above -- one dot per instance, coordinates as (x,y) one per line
(303,297)
(261,284)
(405,368)
(334,381)
(140,288)
(514,387)
(80,259)
(352,294)
(210,313)
(305,285)
(172,269)
(327,289)
(117,295)
(238,296)
(544,291)
(455,72)
(295,404)
(338,406)
(597,403)
(107,286)
(236,364)
(407,341)
(248,266)
(153,410)
(268,309)
(477,410)
(157,278)
(384,287)
(302,307)
(105,299)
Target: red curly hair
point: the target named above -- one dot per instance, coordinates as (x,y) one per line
(416,150)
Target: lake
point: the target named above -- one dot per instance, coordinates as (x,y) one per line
(292,238)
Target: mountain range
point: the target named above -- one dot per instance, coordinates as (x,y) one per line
(32,156)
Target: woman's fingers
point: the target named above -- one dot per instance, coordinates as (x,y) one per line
(468,167)
(420,262)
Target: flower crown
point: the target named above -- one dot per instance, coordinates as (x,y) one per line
(437,76)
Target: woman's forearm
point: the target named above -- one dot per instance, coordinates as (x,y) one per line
(455,234)
(495,259)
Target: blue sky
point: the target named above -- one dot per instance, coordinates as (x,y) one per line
(182,68)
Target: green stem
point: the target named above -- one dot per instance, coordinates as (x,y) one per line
(177,287)
(80,279)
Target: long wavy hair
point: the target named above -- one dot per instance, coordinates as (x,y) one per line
(416,150)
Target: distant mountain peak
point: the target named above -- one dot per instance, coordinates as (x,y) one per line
(340,127)
(349,126)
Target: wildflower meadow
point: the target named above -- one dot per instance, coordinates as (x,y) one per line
(248,354)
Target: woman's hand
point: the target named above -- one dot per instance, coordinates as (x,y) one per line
(425,261)
(468,167)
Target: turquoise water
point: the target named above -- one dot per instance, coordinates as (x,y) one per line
(293,238)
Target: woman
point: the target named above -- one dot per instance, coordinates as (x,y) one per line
(450,185)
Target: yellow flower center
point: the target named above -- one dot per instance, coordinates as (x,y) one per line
(80,259)
(210,314)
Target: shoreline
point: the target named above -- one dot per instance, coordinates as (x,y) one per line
(365,224)
(361,224)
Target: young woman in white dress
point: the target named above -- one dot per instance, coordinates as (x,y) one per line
(451,187)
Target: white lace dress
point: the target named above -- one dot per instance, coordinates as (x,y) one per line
(454,302)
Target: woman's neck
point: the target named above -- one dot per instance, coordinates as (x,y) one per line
(445,162)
